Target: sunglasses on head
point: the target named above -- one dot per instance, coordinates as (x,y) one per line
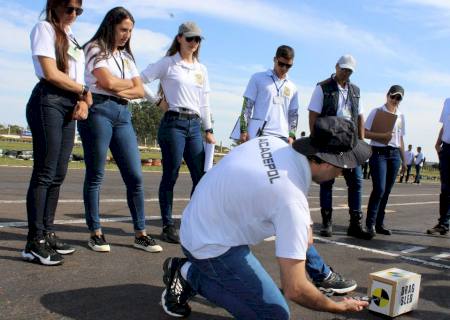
(284,65)
(195,38)
(70,10)
(396,97)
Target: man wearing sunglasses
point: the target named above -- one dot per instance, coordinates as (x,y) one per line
(336,96)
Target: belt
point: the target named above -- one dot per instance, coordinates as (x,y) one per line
(181,115)
(386,148)
(104,97)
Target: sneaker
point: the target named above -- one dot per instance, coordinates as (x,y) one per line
(383,230)
(177,293)
(336,283)
(439,228)
(169,234)
(38,250)
(99,244)
(56,244)
(147,243)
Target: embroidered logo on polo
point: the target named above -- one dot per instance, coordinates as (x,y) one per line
(198,76)
(286,91)
(380,297)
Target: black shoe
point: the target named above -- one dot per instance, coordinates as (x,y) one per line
(336,283)
(56,244)
(371,230)
(439,228)
(356,230)
(326,231)
(38,250)
(169,234)
(383,230)
(327,228)
(147,243)
(99,244)
(175,297)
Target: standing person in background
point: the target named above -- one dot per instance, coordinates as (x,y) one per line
(409,158)
(336,96)
(184,81)
(385,161)
(57,100)
(113,78)
(443,150)
(419,162)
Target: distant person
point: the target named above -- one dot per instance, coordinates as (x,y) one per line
(409,158)
(337,96)
(58,99)
(113,79)
(257,191)
(385,161)
(419,161)
(443,151)
(184,81)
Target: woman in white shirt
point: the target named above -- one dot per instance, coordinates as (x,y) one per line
(387,157)
(113,79)
(185,84)
(58,99)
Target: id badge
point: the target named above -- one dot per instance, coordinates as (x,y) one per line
(75,53)
(278,100)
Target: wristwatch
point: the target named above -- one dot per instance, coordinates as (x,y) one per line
(84,91)
(209,131)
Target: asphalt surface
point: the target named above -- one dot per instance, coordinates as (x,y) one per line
(126,283)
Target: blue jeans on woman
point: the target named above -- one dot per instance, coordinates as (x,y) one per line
(237,282)
(444,198)
(109,125)
(49,115)
(179,136)
(384,165)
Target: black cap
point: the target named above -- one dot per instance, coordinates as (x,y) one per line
(396,89)
(334,141)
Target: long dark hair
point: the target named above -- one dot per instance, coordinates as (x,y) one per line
(175,47)
(61,41)
(105,36)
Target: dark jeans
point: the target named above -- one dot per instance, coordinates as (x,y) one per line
(353,178)
(417,179)
(178,138)
(49,115)
(109,125)
(316,268)
(408,171)
(384,163)
(237,282)
(444,199)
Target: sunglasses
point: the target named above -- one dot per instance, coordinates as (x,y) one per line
(195,38)
(284,65)
(396,97)
(70,10)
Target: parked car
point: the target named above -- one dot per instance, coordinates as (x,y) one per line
(11,154)
(77,157)
(1,152)
(25,155)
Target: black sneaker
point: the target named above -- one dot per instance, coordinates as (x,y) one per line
(383,230)
(38,250)
(177,293)
(56,244)
(439,228)
(336,283)
(147,243)
(99,244)
(169,234)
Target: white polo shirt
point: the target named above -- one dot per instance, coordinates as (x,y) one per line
(409,157)
(120,65)
(445,120)
(185,85)
(42,39)
(344,109)
(419,159)
(256,191)
(397,133)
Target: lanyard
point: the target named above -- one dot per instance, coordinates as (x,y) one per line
(343,97)
(122,70)
(74,41)
(278,88)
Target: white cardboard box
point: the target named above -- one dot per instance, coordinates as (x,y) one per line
(394,291)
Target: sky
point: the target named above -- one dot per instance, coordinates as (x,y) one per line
(402,42)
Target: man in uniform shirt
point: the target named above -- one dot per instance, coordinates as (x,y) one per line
(419,161)
(257,191)
(443,150)
(336,96)
(409,157)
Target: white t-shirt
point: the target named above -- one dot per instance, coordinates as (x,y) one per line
(256,191)
(42,39)
(274,98)
(120,65)
(409,157)
(344,105)
(397,133)
(445,120)
(185,85)
(419,159)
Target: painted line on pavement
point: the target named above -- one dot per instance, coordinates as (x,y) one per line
(344,207)
(413,249)
(81,200)
(390,196)
(442,256)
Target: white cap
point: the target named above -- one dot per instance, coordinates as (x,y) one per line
(347,62)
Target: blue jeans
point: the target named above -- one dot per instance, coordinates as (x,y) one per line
(417,179)
(237,282)
(109,125)
(384,165)
(444,199)
(408,171)
(178,139)
(49,115)
(315,266)
(353,178)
